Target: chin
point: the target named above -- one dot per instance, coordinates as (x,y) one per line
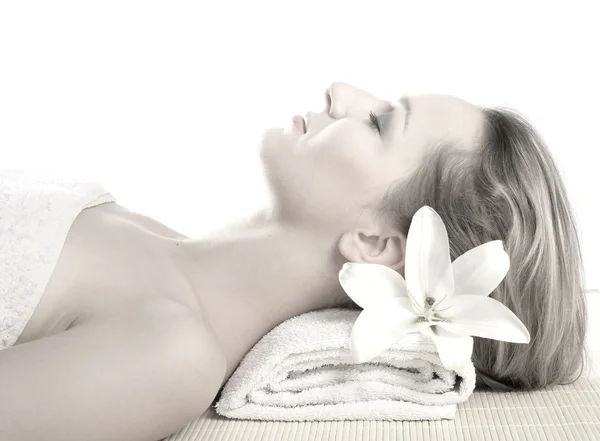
(272,132)
(271,135)
(274,140)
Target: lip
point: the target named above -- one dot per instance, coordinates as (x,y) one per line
(300,123)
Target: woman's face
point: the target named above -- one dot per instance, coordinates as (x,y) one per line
(327,176)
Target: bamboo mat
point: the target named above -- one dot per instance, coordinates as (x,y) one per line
(558,413)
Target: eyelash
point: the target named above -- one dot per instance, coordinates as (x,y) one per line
(374,122)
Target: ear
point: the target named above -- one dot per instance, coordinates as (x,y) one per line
(374,246)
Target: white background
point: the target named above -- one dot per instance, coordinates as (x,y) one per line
(164,103)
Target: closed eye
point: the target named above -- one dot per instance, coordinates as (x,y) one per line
(374,123)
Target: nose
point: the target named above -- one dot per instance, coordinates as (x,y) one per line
(328,100)
(310,116)
(343,100)
(317,121)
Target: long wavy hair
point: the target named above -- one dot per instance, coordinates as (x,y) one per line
(509,188)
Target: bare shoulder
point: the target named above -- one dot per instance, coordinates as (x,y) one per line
(154,363)
(173,328)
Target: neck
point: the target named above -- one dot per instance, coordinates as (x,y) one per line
(256,273)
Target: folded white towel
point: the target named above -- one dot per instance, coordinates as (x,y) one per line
(36,213)
(303,370)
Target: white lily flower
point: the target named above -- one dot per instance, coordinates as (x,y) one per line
(446,301)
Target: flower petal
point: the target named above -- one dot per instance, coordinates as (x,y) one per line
(484,317)
(454,350)
(427,269)
(425,329)
(481,269)
(370,283)
(378,327)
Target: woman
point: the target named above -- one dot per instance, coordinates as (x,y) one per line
(140,326)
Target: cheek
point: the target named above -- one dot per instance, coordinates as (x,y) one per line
(340,170)
(344,156)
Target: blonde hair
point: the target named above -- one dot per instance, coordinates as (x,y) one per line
(509,188)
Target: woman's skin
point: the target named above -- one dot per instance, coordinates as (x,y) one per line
(157,361)
(285,259)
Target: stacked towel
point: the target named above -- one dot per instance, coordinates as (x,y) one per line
(303,370)
(36,213)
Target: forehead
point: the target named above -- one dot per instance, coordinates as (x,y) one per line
(435,117)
